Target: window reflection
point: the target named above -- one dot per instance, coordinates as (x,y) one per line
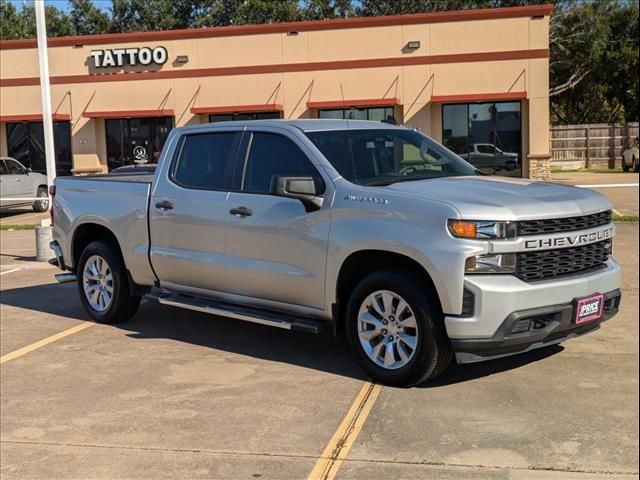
(487,135)
(25,143)
(374,113)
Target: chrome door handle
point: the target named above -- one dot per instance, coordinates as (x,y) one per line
(241,212)
(164,205)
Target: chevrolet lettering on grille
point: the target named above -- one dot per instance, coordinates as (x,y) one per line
(554,241)
(569,240)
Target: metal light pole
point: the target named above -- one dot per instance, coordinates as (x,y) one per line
(45,92)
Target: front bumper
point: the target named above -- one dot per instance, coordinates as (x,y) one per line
(501,300)
(530,329)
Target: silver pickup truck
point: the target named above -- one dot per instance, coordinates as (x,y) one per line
(359,227)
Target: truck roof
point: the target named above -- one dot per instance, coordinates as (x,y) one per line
(306,125)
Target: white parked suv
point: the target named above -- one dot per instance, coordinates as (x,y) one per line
(18,183)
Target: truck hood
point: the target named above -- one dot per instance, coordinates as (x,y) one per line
(501,198)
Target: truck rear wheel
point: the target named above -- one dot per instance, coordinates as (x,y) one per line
(396,329)
(103,284)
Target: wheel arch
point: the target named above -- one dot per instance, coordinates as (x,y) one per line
(363,262)
(89,232)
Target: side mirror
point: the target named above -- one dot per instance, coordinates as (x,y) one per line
(300,188)
(29,170)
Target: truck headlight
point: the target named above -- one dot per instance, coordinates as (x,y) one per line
(491,263)
(482,230)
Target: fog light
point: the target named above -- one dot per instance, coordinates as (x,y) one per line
(491,263)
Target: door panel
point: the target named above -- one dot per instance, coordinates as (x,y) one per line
(188,242)
(188,214)
(17,181)
(279,252)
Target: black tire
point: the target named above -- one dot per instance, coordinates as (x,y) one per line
(123,305)
(41,205)
(625,167)
(433,353)
(635,164)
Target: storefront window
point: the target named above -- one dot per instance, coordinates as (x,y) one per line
(136,140)
(375,113)
(487,135)
(25,143)
(225,117)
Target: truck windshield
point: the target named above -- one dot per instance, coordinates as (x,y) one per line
(385,156)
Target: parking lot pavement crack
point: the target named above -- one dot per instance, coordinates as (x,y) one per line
(160,449)
(314,457)
(495,467)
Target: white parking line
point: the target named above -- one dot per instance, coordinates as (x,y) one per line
(10,271)
(609,185)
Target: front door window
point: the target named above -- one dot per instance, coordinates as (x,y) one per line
(487,135)
(136,141)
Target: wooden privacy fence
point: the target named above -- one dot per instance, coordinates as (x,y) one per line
(597,145)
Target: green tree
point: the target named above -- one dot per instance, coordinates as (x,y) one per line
(87,19)
(217,13)
(11,22)
(265,11)
(150,15)
(326,9)
(594,62)
(58,24)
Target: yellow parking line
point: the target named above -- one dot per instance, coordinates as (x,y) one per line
(45,341)
(336,451)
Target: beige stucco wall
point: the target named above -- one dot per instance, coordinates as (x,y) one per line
(412,85)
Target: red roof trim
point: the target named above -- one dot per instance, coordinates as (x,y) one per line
(271,107)
(478,97)
(383,21)
(35,117)
(371,102)
(285,67)
(129,114)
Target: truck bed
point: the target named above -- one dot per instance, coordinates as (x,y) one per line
(119,203)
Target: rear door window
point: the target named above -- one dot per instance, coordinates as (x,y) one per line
(205,161)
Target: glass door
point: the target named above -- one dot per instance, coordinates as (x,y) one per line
(136,141)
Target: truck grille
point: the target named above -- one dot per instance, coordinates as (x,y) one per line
(568,224)
(545,264)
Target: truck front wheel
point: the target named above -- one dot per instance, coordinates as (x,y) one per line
(396,329)
(103,285)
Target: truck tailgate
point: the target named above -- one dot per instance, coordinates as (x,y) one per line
(118,203)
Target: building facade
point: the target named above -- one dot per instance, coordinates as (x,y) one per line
(475,80)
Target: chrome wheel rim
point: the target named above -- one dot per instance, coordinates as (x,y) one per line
(97,283)
(387,329)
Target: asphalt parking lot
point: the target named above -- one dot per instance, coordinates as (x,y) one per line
(624,198)
(177,394)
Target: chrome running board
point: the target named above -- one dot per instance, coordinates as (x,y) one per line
(65,277)
(239,312)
